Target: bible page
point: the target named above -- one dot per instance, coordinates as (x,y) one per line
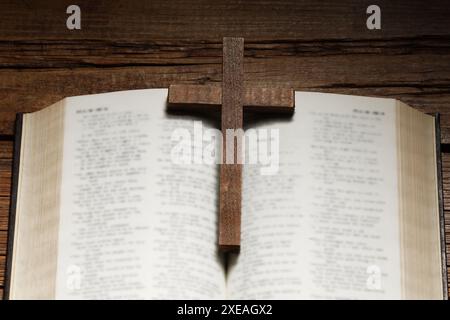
(325,225)
(134,224)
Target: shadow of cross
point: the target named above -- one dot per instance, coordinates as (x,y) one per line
(233,97)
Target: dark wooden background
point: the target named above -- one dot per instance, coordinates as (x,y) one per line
(308,45)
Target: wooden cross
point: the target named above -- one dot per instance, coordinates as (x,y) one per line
(233,97)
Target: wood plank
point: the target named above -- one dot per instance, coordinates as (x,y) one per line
(6,149)
(103,53)
(418,79)
(230,194)
(2,260)
(2,270)
(446,189)
(6,153)
(4,212)
(446,185)
(5,183)
(284,19)
(5,177)
(3,238)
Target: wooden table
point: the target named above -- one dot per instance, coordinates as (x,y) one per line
(308,45)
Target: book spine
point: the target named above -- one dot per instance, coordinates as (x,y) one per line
(13,203)
(441,206)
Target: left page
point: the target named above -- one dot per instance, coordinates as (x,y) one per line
(134,224)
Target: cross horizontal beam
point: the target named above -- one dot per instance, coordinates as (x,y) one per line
(259,98)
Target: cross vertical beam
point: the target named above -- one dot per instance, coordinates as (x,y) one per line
(232,118)
(234,97)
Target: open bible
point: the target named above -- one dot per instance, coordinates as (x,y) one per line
(348,205)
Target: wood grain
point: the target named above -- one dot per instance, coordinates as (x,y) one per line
(205,20)
(6,152)
(230,189)
(4,212)
(413,70)
(446,189)
(2,270)
(257,98)
(446,185)
(3,236)
(5,175)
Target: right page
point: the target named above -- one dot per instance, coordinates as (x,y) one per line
(422,221)
(325,224)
